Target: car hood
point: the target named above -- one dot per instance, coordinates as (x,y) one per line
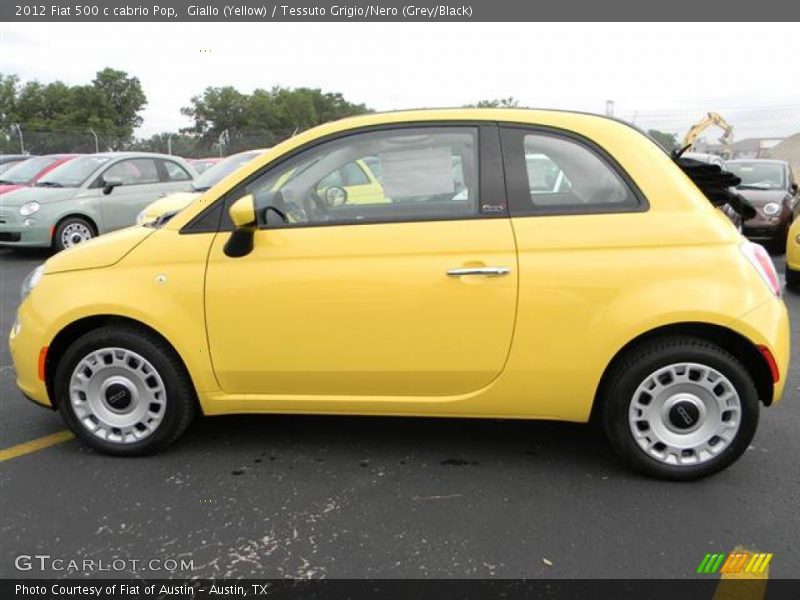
(42,195)
(102,251)
(759,198)
(173,202)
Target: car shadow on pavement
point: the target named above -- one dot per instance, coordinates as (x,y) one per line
(432,441)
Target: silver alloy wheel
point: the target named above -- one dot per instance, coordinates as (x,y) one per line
(685,414)
(74,234)
(117,395)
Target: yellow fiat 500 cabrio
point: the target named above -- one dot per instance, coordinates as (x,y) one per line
(513,264)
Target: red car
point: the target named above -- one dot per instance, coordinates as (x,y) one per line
(201,164)
(28,172)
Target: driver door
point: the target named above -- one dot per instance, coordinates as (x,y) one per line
(413,296)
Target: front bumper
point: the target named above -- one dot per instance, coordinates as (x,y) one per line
(26,342)
(14,232)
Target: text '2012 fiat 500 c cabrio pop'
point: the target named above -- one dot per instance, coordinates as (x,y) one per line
(510,263)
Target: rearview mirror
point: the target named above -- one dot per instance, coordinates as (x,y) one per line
(335,196)
(109,183)
(243,216)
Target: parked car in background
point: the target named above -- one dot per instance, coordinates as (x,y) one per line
(9,160)
(618,294)
(88,196)
(211,176)
(201,165)
(770,187)
(28,172)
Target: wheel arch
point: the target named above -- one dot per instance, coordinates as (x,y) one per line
(76,215)
(66,336)
(735,343)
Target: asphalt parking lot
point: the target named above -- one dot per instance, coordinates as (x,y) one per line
(281,496)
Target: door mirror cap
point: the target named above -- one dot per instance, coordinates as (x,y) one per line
(243,212)
(243,215)
(110,183)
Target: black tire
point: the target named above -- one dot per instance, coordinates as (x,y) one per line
(634,369)
(793,278)
(180,404)
(58,242)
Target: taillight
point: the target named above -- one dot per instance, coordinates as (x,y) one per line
(762,261)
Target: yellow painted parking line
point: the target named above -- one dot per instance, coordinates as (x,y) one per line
(744,585)
(35,445)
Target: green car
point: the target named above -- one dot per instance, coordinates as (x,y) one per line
(88,196)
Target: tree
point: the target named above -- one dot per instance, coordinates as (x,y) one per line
(668,141)
(509,102)
(56,117)
(264,117)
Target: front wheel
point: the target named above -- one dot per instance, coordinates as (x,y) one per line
(71,232)
(124,391)
(680,408)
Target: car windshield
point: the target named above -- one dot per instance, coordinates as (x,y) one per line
(221,170)
(72,173)
(757,175)
(25,171)
(8,165)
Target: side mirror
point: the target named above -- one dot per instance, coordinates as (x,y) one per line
(110,183)
(793,189)
(243,215)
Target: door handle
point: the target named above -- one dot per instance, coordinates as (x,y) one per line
(487,271)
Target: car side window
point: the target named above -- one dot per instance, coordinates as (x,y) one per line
(550,173)
(175,172)
(425,174)
(134,171)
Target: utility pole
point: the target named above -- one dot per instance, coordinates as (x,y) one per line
(169,144)
(21,139)
(609,108)
(96,142)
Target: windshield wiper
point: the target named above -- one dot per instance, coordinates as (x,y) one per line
(753,186)
(6,182)
(202,188)
(49,184)
(162,220)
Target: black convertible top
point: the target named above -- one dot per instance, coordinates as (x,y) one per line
(716,184)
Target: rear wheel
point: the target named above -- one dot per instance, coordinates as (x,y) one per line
(71,232)
(680,408)
(124,391)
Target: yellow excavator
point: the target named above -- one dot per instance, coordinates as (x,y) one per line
(710,119)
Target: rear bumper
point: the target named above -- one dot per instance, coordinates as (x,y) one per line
(768,325)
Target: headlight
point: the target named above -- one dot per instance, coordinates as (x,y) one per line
(31,280)
(772,208)
(29,208)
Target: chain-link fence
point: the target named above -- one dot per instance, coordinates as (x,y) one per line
(38,141)
(757,132)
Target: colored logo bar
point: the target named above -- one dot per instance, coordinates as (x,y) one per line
(736,562)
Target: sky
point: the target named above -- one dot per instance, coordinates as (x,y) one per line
(663,75)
